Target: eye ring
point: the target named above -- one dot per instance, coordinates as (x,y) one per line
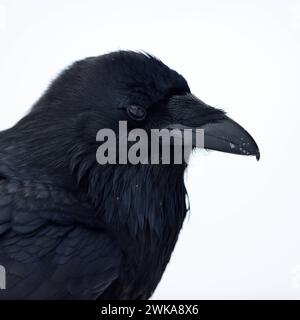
(136,112)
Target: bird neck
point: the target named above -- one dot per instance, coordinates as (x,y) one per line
(140,199)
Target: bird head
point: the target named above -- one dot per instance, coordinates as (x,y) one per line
(99,92)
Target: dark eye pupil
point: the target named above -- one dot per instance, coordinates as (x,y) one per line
(136,112)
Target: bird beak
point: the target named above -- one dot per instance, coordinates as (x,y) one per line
(221,133)
(228,136)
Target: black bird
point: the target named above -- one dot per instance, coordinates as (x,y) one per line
(73,229)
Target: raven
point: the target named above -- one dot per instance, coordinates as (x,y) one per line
(73,229)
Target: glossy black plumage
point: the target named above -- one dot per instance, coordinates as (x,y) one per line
(70,228)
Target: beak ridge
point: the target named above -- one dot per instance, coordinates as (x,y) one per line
(221,133)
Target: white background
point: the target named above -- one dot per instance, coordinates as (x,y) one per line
(243,235)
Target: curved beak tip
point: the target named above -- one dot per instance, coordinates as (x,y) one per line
(257,155)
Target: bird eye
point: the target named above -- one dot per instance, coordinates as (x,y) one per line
(136,112)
